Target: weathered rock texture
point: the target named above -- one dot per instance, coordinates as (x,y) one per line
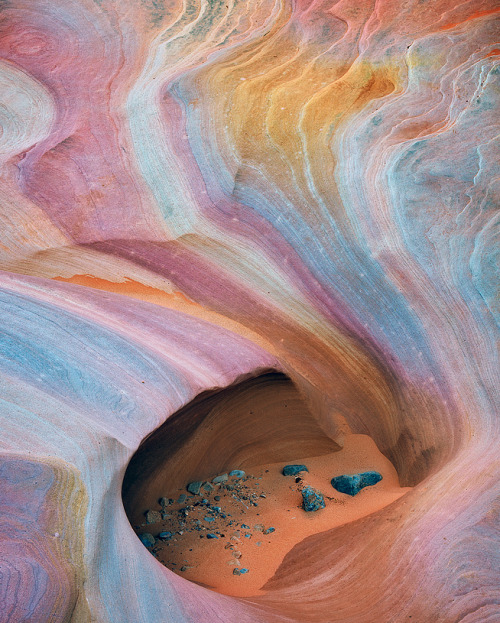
(192,193)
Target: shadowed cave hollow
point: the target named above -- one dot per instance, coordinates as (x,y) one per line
(257,425)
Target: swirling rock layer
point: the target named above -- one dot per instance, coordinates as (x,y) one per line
(192,194)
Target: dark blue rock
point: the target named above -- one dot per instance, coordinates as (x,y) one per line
(147,539)
(269,530)
(237,473)
(353,483)
(212,536)
(293,470)
(182,498)
(218,479)
(209,518)
(312,500)
(165,535)
(243,570)
(194,487)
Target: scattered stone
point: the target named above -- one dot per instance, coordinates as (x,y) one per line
(353,483)
(147,539)
(293,470)
(210,535)
(182,498)
(209,518)
(208,487)
(269,530)
(219,479)
(217,498)
(243,570)
(237,473)
(164,502)
(194,487)
(312,500)
(243,525)
(236,554)
(184,568)
(259,527)
(263,495)
(236,572)
(165,536)
(153,516)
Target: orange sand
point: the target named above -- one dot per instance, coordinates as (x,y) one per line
(211,562)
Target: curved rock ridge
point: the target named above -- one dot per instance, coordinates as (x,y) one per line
(196,196)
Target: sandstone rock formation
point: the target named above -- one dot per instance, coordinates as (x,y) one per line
(194,195)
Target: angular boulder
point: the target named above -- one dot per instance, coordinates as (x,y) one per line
(353,483)
(312,500)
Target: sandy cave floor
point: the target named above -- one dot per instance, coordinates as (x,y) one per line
(256,520)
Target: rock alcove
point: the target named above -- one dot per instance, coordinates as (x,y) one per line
(232,534)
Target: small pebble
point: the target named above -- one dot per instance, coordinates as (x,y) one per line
(210,535)
(218,479)
(293,470)
(237,473)
(165,535)
(182,498)
(269,530)
(194,487)
(147,539)
(153,516)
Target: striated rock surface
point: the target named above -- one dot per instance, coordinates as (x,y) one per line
(201,195)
